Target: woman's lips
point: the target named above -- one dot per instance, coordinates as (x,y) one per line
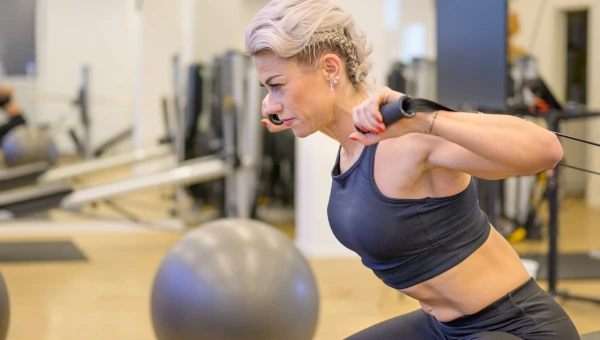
(288,122)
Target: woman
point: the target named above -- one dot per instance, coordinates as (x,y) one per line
(403,196)
(12,109)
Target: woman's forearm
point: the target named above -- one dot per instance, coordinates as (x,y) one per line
(508,140)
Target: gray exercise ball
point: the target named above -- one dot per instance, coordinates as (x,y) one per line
(234,279)
(26,145)
(4,309)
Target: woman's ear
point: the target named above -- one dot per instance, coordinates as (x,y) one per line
(331,66)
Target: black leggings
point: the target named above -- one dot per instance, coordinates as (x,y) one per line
(527,312)
(11,124)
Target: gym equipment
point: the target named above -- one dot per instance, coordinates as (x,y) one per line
(69,172)
(25,145)
(17,203)
(40,251)
(199,170)
(277,186)
(571,266)
(234,279)
(395,79)
(53,184)
(417,78)
(529,88)
(4,309)
(420,77)
(22,175)
(204,132)
(219,100)
(113,141)
(87,167)
(81,133)
(554,118)
(237,161)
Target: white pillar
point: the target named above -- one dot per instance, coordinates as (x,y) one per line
(593,133)
(188,32)
(138,98)
(315,157)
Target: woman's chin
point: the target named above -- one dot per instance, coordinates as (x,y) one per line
(301,133)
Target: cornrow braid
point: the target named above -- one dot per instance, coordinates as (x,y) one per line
(333,40)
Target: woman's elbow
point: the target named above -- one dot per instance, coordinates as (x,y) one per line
(548,157)
(554,153)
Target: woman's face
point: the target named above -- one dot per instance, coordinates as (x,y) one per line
(300,96)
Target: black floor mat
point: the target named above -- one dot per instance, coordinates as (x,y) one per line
(570,266)
(40,251)
(591,336)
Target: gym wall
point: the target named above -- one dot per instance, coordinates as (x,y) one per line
(72,33)
(418,13)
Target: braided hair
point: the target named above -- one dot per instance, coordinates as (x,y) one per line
(304,30)
(334,41)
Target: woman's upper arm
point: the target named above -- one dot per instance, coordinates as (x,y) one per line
(445,154)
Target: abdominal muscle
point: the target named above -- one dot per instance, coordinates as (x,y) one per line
(485,276)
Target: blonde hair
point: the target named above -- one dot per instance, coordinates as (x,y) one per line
(305,30)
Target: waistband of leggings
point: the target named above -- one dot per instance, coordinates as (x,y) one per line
(519,294)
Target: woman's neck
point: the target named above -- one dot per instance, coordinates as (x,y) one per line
(342,124)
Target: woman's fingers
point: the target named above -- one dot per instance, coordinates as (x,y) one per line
(368,118)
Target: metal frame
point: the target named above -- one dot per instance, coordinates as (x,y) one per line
(554,119)
(72,171)
(30,201)
(238,163)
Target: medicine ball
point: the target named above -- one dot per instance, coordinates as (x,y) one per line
(234,279)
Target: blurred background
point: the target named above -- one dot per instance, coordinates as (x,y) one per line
(143,124)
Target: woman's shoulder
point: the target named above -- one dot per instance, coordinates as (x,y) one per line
(406,154)
(411,145)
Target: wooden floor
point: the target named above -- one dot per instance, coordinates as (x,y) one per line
(108,297)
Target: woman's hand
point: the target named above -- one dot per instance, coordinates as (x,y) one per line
(367,117)
(266,121)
